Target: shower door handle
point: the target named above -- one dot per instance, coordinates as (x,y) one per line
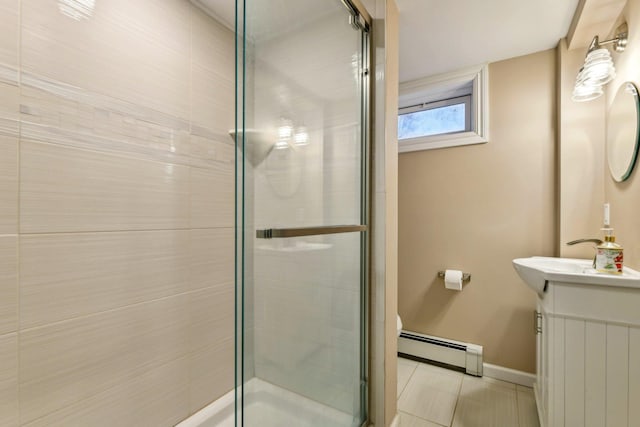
(271,233)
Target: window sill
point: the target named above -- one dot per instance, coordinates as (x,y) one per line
(439,141)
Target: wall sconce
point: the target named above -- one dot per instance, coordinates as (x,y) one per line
(598,69)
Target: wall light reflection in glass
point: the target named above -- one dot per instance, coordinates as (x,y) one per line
(77,9)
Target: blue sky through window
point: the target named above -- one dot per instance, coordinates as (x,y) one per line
(450,118)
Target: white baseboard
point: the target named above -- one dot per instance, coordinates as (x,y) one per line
(507,374)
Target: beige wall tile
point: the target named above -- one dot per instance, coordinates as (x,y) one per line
(293,178)
(9,380)
(212,373)
(9,105)
(211,257)
(110,335)
(211,150)
(65,189)
(213,99)
(61,114)
(8,284)
(212,197)
(9,22)
(8,184)
(133,50)
(9,92)
(212,74)
(213,44)
(156,397)
(69,275)
(211,314)
(66,362)
(312,57)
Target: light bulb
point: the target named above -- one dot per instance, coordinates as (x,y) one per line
(286,129)
(301,136)
(281,144)
(584,92)
(598,68)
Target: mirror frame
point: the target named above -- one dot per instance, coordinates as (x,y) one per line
(631,162)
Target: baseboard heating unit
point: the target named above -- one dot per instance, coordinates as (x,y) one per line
(454,353)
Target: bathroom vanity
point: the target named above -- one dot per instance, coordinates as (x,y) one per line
(588,343)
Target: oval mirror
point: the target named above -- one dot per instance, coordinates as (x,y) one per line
(622,132)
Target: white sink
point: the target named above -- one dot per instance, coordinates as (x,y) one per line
(537,270)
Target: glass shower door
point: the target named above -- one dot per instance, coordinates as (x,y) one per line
(302,213)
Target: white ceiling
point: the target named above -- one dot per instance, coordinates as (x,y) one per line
(437,36)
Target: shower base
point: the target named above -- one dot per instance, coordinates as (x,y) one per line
(267,405)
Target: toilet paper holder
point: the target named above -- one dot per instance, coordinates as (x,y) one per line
(465,276)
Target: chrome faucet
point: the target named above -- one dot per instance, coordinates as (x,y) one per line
(575,242)
(596,241)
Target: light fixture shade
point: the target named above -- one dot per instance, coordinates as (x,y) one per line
(583,92)
(598,68)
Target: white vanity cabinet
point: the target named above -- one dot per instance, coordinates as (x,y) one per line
(588,355)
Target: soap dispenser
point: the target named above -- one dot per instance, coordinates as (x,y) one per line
(609,254)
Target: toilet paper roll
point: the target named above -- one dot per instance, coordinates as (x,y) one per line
(453,280)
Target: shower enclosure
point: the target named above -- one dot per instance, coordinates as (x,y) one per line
(302,206)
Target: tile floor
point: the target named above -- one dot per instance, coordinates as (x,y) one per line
(429,396)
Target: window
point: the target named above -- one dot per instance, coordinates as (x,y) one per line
(444,111)
(435,118)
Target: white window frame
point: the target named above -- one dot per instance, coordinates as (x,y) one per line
(444,86)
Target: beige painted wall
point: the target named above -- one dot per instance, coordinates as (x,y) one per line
(475,208)
(116,213)
(585,182)
(625,197)
(580,160)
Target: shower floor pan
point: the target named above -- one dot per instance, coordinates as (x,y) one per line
(267,405)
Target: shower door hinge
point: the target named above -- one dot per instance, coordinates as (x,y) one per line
(358,22)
